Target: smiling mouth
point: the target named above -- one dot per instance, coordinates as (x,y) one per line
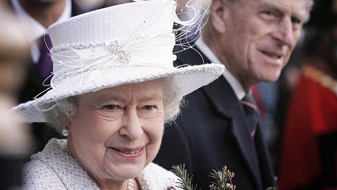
(129,152)
(272,55)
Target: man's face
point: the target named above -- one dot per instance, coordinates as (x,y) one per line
(260,36)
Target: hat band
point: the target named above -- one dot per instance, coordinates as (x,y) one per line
(82,58)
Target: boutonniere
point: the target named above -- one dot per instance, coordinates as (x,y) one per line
(222,180)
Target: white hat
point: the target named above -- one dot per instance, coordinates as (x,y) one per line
(122,44)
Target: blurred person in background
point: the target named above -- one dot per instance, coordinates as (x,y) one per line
(37,16)
(15,138)
(89,5)
(114,2)
(308,157)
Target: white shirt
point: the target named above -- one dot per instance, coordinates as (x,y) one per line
(33,28)
(235,84)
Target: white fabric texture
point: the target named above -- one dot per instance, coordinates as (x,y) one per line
(54,168)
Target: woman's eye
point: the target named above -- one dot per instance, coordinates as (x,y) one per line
(111,107)
(149,107)
(111,111)
(149,111)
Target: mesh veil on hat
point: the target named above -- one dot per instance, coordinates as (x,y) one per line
(122,44)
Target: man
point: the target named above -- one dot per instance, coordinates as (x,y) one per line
(254,40)
(37,16)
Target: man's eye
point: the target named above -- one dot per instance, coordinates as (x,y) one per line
(268,15)
(296,21)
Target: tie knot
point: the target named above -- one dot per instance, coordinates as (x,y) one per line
(248,101)
(251,111)
(45,43)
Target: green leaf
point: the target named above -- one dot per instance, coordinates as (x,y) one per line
(185,180)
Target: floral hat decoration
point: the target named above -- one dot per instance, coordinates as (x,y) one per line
(113,46)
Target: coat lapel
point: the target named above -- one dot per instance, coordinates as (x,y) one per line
(226,103)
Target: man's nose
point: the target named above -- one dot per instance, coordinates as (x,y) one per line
(285,32)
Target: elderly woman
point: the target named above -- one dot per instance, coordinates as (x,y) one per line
(113,88)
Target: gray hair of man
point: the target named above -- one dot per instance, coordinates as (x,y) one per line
(61,115)
(309,6)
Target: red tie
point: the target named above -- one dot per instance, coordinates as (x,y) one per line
(45,64)
(251,111)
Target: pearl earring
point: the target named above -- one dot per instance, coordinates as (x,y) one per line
(65,132)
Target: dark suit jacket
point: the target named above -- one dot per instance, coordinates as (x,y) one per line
(32,87)
(211,132)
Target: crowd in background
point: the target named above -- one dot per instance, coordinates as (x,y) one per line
(298,111)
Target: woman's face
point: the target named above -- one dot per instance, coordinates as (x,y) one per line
(117,131)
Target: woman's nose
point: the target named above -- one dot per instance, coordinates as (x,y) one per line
(132,128)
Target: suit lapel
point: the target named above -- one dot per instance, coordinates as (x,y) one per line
(226,103)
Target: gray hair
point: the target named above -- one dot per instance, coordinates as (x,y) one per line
(309,6)
(64,110)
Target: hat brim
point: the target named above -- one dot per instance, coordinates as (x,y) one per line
(187,78)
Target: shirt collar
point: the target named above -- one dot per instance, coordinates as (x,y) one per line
(33,28)
(235,84)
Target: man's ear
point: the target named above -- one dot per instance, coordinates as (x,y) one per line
(218,11)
